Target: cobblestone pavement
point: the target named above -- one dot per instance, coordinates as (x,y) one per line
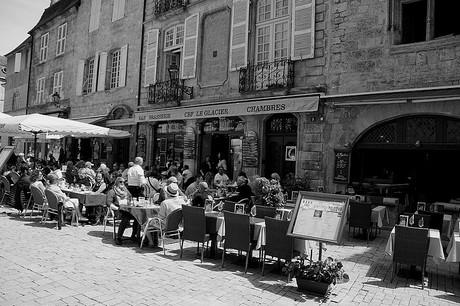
(79,266)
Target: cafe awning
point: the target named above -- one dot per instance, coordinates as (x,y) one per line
(285,104)
(90,120)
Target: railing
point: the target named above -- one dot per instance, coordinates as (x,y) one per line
(277,74)
(163,6)
(169,91)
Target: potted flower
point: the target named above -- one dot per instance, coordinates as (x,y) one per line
(268,192)
(316,277)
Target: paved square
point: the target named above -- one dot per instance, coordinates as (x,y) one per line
(79,266)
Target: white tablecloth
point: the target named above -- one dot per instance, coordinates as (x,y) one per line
(378,213)
(434,249)
(453,249)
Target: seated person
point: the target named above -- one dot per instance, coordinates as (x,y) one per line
(119,194)
(22,187)
(243,189)
(221,179)
(193,187)
(100,185)
(37,180)
(171,203)
(62,197)
(201,195)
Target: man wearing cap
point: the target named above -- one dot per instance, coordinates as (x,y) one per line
(136,178)
(171,203)
(86,173)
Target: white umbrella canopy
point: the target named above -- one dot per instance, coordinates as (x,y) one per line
(38,123)
(3,115)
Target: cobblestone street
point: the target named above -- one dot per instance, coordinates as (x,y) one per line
(79,266)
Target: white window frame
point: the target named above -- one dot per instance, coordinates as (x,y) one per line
(176,38)
(40,97)
(57,83)
(115,67)
(90,75)
(271,23)
(43,51)
(61,39)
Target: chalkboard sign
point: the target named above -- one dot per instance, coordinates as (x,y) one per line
(342,166)
(250,152)
(319,216)
(5,156)
(189,143)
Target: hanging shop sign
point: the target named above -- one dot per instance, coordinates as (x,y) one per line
(246,108)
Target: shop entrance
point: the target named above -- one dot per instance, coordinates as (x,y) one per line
(281,145)
(414,155)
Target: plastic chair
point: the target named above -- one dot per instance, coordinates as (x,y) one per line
(277,244)
(6,188)
(194,227)
(111,216)
(39,202)
(360,217)
(53,207)
(265,211)
(237,235)
(169,229)
(410,248)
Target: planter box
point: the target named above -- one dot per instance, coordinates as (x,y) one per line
(309,286)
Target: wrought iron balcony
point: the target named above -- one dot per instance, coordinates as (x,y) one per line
(169,91)
(277,74)
(163,6)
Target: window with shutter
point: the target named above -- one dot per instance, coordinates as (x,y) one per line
(151,57)
(61,39)
(95,15)
(188,67)
(123,63)
(17,62)
(80,78)
(57,84)
(239,34)
(118,10)
(303,29)
(43,51)
(40,97)
(102,71)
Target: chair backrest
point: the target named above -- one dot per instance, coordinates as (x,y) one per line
(237,231)
(277,243)
(375,200)
(360,214)
(244,201)
(14,177)
(426,220)
(6,183)
(411,245)
(194,223)
(436,219)
(53,202)
(265,211)
(173,220)
(229,206)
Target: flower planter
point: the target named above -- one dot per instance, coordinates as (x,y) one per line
(309,286)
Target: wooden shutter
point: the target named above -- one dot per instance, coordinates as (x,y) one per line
(115,10)
(121,9)
(95,15)
(239,35)
(95,72)
(123,62)
(151,57)
(17,62)
(303,29)
(80,72)
(188,66)
(102,71)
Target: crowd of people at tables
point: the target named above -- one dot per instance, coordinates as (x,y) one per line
(170,188)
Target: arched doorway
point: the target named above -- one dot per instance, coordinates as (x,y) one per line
(281,134)
(420,150)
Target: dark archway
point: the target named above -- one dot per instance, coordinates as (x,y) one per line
(419,150)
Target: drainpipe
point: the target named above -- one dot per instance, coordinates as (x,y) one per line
(30,73)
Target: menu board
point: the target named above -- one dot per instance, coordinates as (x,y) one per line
(250,152)
(141,145)
(319,216)
(189,143)
(341,166)
(5,155)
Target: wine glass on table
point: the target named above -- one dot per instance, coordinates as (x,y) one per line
(220,207)
(411,220)
(253,211)
(420,222)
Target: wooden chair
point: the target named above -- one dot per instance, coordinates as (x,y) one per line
(360,217)
(170,229)
(410,248)
(238,235)
(194,227)
(277,244)
(265,211)
(39,202)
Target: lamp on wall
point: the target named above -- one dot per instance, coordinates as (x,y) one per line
(56,97)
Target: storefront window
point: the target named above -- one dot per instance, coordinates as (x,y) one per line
(169,143)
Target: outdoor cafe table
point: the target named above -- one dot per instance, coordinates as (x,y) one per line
(378,214)
(453,249)
(87,198)
(434,250)
(142,213)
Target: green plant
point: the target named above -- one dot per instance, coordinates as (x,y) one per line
(326,271)
(296,183)
(270,191)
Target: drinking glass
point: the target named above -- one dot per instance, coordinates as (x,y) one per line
(220,207)
(411,220)
(420,222)
(253,211)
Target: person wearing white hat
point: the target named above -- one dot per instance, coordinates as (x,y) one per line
(172,202)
